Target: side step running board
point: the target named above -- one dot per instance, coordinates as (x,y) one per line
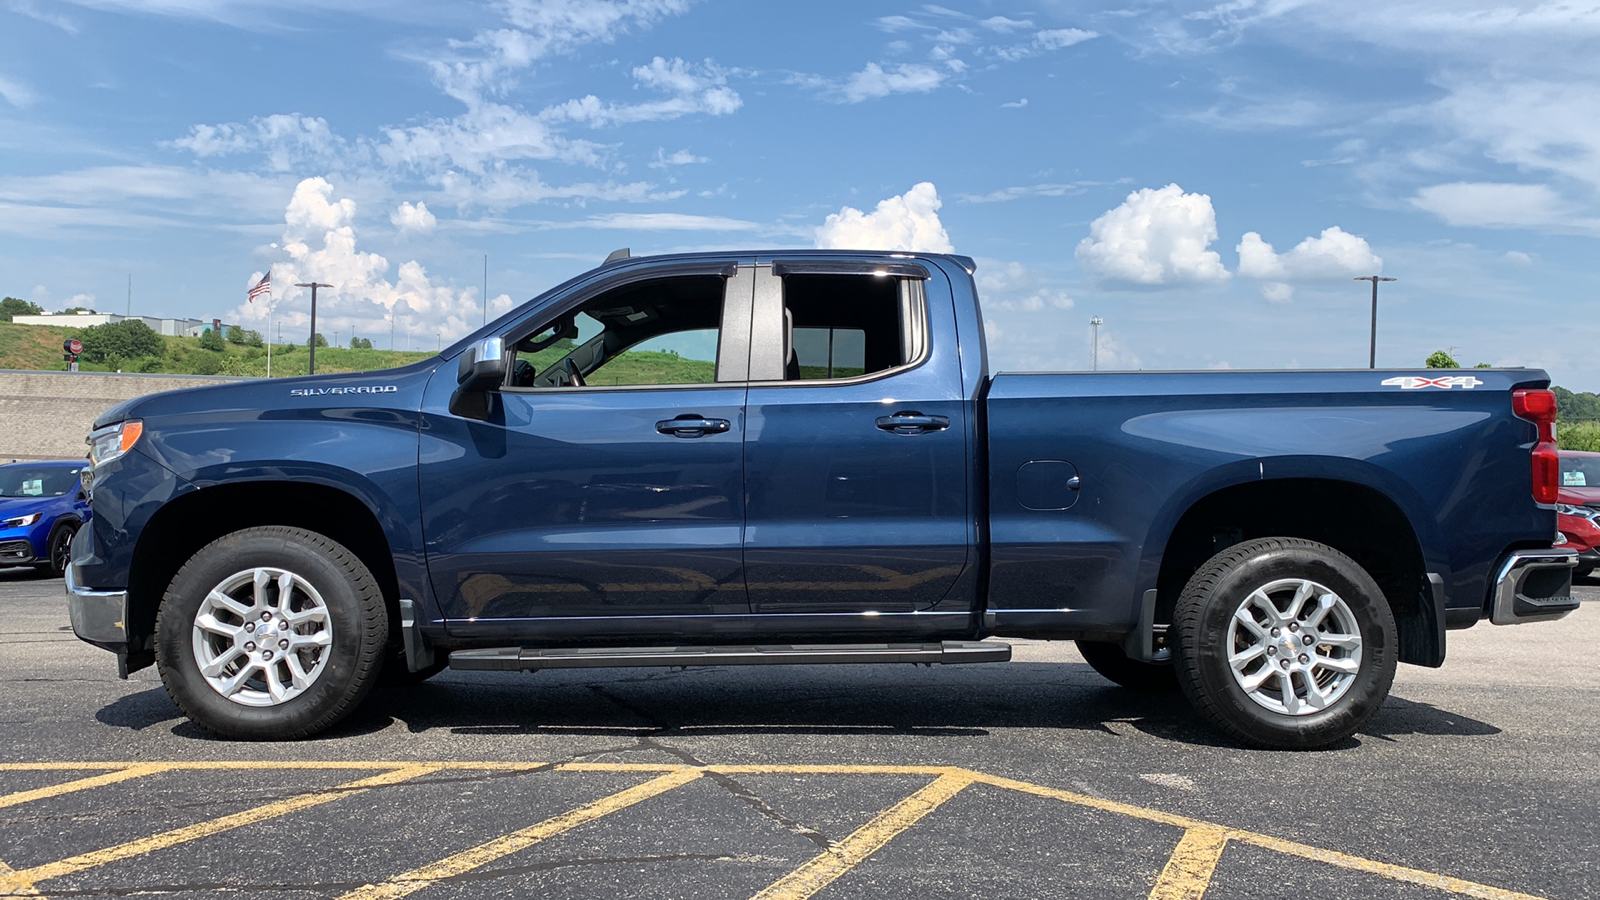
(515,658)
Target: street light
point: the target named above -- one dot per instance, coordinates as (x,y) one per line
(312,365)
(1372,350)
(1094,351)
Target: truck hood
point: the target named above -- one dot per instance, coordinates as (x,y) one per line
(385,388)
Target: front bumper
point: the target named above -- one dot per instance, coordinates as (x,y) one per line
(16,552)
(98,617)
(1534,586)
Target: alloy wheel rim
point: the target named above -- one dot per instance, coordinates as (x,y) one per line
(262,636)
(1294,647)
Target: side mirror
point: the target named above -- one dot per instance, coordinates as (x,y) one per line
(481,370)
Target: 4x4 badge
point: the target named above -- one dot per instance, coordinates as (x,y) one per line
(1412,382)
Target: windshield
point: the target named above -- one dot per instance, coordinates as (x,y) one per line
(1580,471)
(37,481)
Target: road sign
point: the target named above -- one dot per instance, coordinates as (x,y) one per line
(72,345)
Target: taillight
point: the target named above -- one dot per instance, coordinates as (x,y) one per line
(1539,407)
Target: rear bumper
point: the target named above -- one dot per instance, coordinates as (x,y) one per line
(98,617)
(1534,586)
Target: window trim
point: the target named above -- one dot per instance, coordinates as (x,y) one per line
(913,299)
(735,308)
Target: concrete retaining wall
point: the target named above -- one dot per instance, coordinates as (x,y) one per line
(45,415)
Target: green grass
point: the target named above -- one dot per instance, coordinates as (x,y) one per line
(39,347)
(1579,436)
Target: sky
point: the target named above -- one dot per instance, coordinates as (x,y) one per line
(1207,178)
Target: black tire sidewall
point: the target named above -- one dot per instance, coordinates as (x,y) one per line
(1208,679)
(64,531)
(1112,662)
(359,624)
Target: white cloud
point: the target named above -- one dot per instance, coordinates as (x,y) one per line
(319,243)
(84,300)
(289,140)
(16,93)
(1013,287)
(1156,237)
(1113,355)
(875,81)
(679,158)
(1029,190)
(695,88)
(1518,258)
(1015,104)
(408,217)
(1493,204)
(1334,254)
(909,221)
(661,222)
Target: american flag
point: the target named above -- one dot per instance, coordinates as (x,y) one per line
(264,286)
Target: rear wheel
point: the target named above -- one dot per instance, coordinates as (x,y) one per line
(271,633)
(1110,660)
(1284,643)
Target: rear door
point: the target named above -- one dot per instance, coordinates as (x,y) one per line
(609,479)
(855,457)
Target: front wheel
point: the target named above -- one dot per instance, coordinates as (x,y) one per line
(59,549)
(271,633)
(1284,643)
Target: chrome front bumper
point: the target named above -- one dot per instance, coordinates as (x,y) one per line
(1534,586)
(99,617)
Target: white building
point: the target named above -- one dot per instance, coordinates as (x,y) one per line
(173,327)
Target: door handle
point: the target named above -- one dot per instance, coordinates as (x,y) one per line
(913,422)
(691,426)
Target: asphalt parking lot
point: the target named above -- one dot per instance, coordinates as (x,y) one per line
(1033,778)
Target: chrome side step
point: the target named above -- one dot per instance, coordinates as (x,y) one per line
(516,658)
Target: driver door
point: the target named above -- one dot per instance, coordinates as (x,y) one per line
(608,480)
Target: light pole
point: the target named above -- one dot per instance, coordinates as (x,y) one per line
(1094,351)
(312,365)
(1372,350)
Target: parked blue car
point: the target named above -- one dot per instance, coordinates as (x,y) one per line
(42,505)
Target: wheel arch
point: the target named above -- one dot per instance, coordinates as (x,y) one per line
(1350,506)
(188,522)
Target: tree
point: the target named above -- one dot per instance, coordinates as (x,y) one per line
(360,343)
(1483,366)
(320,340)
(74,310)
(1442,360)
(211,339)
(125,340)
(234,334)
(252,338)
(12,306)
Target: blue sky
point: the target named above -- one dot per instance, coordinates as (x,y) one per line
(1206,177)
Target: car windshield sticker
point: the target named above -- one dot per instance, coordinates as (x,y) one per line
(1574,479)
(1412,382)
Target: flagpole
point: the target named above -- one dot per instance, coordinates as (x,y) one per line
(269,330)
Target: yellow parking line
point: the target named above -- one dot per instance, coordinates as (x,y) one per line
(1110,806)
(1393,873)
(1188,872)
(6,871)
(827,866)
(483,854)
(25,879)
(82,784)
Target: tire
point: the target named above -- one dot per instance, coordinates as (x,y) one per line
(58,549)
(1583,571)
(1110,660)
(331,634)
(1343,642)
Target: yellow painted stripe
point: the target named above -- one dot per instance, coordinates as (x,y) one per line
(82,784)
(5,872)
(505,845)
(1110,806)
(25,879)
(1188,872)
(827,866)
(1457,886)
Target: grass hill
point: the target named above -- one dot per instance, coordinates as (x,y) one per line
(39,347)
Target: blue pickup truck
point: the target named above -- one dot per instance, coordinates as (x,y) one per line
(802,458)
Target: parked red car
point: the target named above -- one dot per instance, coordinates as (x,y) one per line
(1578,507)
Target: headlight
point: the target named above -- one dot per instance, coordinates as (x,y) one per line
(110,442)
(20,521)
